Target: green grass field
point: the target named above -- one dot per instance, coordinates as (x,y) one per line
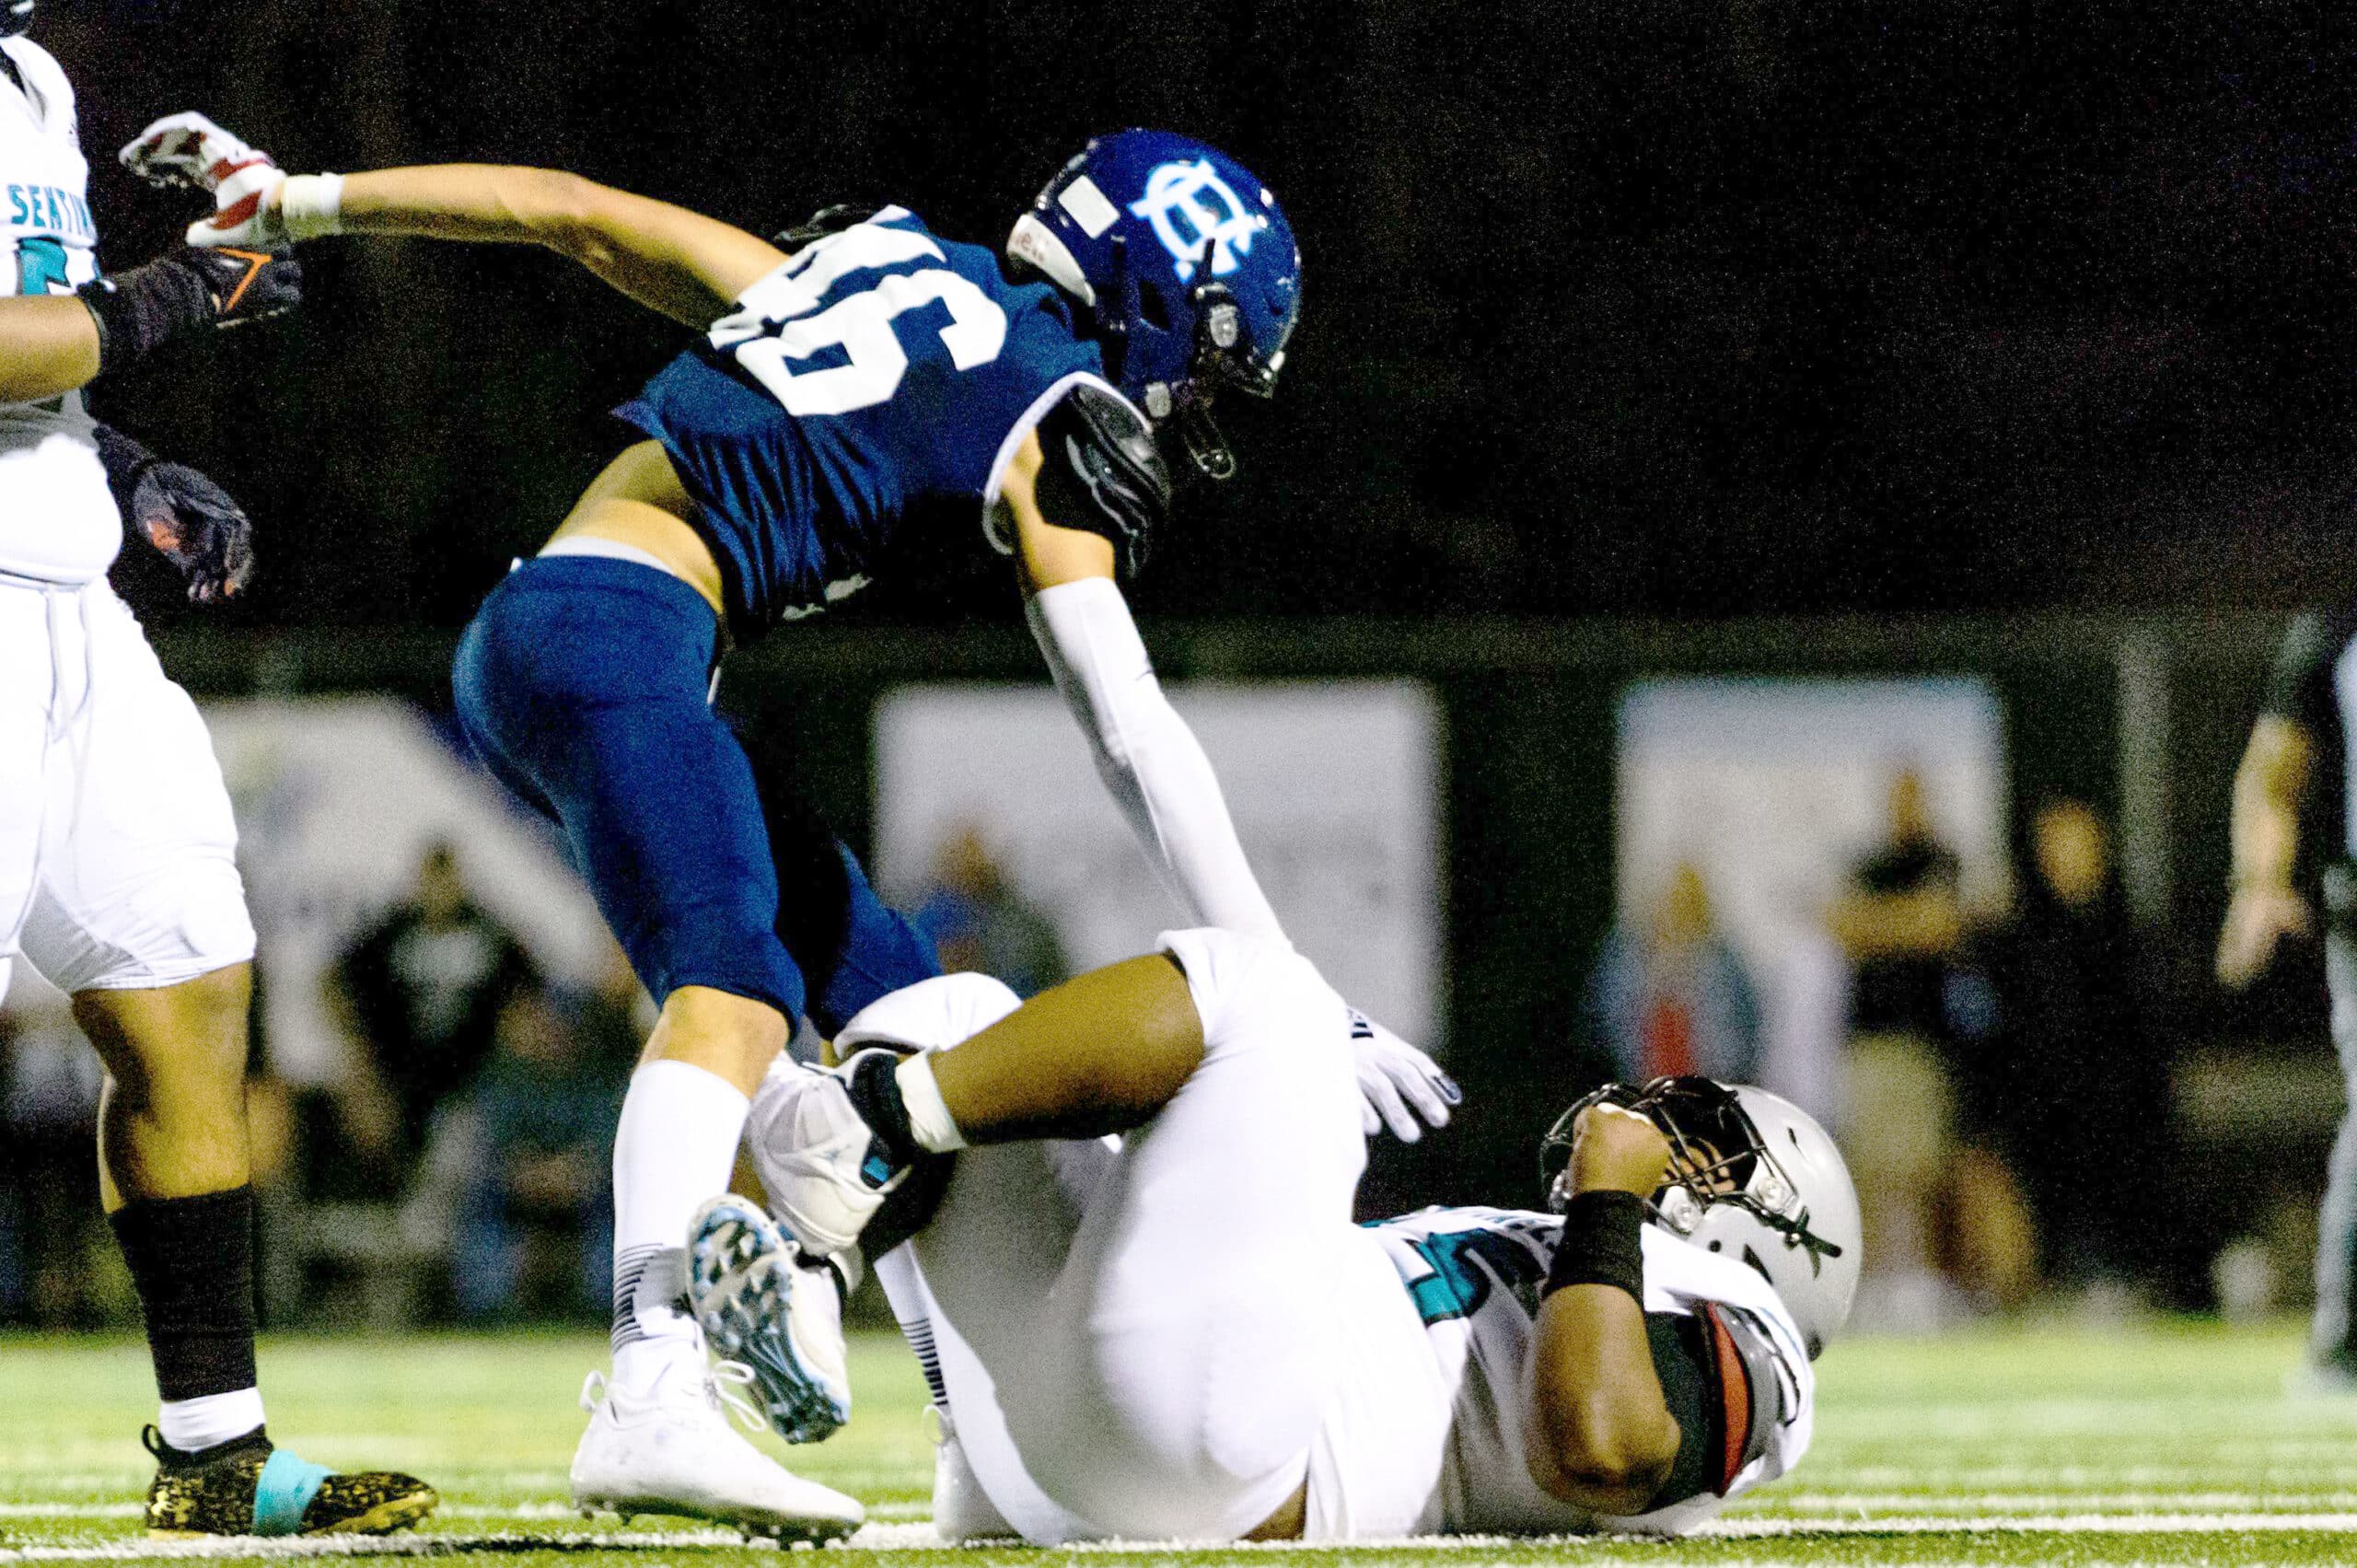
(2161,1444)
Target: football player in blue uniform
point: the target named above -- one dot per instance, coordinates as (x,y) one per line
(865,395)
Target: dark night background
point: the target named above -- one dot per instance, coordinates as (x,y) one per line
(1672,308)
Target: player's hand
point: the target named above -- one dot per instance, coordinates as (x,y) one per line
(190,150)
(184,294)
(1615,1149)
(247,285)
(197,528)
(192,521)
(1394,1076)
(2257,919)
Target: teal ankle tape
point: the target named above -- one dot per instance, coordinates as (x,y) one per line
(285,1488)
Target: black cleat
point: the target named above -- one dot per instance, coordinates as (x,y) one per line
(245,1486)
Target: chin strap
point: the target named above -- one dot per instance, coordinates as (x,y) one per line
(1205,445)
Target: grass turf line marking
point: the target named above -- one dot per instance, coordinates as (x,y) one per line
(2035,1524)
(919,1537)
(1927,1503)
(882,1511)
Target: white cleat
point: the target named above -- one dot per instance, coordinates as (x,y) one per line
(824,1169)
(766,1306)
(672,1451)
(963,1514)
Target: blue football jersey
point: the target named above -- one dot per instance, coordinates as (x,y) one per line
(857,412)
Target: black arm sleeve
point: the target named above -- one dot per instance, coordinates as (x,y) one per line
(1717,1372)
(1684,1368)
(2299,686)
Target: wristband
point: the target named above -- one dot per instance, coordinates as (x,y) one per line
(1602,1244)
(124,460)
(311,206)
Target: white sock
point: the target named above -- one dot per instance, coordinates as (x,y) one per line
(930,1122)
(674,1147)
(190,1424)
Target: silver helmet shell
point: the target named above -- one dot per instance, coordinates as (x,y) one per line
(1751,1176)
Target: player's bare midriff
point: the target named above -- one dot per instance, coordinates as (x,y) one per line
(640,502)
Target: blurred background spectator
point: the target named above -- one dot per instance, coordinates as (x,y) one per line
(2072,1093)
(536,1204)
(1902,922)
(56,1269)
(384,1152)
(979,922)
(419,993)
(1669,996)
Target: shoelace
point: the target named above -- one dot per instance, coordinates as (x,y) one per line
(721,1386)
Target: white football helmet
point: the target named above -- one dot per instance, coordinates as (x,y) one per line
(1751,1175)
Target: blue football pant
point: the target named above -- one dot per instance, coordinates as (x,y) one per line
(582,685)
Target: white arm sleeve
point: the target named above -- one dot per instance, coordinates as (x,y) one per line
(1146,755)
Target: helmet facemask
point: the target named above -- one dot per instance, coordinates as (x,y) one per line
(1219,358)
(1716,1157)
(15,15)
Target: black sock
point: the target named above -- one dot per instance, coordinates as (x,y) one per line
(192,1261)
(875,1095)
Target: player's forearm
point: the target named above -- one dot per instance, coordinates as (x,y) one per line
(48,346)
(2264,825)
(1150,761)
(685,265)
(1601,1436)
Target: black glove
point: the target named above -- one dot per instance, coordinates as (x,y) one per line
(187,291)
(187,517)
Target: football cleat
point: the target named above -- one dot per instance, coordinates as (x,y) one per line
(246,1487)
(670,1450)
(764,1306)
(963,1514)
(823,1166)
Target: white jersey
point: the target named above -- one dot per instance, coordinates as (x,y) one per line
(58,521)
(1475,1275)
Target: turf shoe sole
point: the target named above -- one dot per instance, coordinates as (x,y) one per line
(764,1306)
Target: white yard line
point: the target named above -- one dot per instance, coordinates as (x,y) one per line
(544,1510)
(2037,1524)
(1927,1502)
(919,1536)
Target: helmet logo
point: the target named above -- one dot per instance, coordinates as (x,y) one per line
(1797,1234)
(1192,209)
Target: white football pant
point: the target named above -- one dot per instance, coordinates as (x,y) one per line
(118,854)
(1160,1337)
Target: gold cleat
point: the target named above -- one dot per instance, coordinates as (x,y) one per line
(247,1488)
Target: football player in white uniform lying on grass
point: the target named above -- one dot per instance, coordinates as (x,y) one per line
(1149,1316)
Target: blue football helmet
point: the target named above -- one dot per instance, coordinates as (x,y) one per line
(1184,267)
(15,15)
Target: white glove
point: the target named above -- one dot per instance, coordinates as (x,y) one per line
(1394,1075)
(188,150)
(255,203)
